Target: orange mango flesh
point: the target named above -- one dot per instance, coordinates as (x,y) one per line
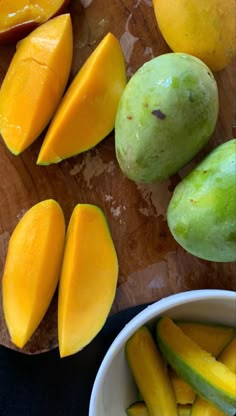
(15,15)
(228,358)
(32,269)
(35,82)
(86,114)
(88,279)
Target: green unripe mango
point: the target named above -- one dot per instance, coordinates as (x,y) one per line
(202,212)
(167,113)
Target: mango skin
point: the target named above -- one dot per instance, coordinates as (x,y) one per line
(205,29)
(166,114)
(202,212)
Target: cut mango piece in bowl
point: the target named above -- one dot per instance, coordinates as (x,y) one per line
(228,358)
(211,379)
(88,279)
(35,82)
(150,374)
(86,114)
(18,18)
(210,337)
(32,269)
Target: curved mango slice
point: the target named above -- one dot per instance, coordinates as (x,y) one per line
(150,373)
(32,269)
(17,18)
(35,82)
(228,358)
(86,114)
(88,279)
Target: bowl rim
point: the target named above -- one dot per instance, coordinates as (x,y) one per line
(143,317)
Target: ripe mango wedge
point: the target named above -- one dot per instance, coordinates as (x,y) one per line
(88,279)
(86,114)
(35,82)
(32,269)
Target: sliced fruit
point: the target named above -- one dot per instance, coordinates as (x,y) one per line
(183,391)
(211,379)
(87,112)
(137,409)
(211,337)
(184,410)
(204,408)
(150,374)
(35,82)
(88,279)
(32,269)
(18,18)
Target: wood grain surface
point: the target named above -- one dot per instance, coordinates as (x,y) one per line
(152,264)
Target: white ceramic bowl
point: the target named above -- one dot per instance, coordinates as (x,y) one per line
(114,389)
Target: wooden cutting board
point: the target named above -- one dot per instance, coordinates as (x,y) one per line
(152,264)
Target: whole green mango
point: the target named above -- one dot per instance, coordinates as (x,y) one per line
(166,114)
(202,212)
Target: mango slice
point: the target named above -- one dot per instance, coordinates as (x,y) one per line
(86,114)
(137,409)
(32,269)
(150,374)
(35,82)
(228,358)
(18,18)
(88,279)
(211,337)
(184,393)
(140,409)
(211,379)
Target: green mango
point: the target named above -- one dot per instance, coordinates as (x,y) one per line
(202,212)
(166,114)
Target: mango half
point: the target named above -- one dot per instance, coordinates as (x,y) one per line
(19,17)
(35,82)
(86,114)
(88,279)
(32,269)
(166,114)
(202,212)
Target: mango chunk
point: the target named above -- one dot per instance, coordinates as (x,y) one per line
(35,82)
(86,114)
(150,374)
(228,358)
(18,18)
(88,279)
(211,379)
(32,269)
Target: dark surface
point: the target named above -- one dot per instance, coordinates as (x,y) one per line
(41,385)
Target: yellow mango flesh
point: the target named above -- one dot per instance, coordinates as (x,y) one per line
(88,279)
(200,367)
(212,338)
(203,28)
(86,114)
(228,358)
(150,374)
(35,82)
(183,391)
(32,269)
(14,13)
